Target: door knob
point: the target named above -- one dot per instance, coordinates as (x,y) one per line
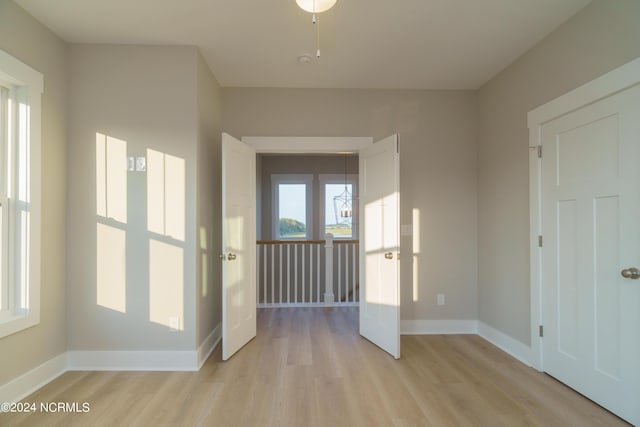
(388,255)
(631,273)
(231,257)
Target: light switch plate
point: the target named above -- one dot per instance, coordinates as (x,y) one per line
(131,164)
(141,164)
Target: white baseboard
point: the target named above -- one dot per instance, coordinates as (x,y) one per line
(209,344)
(38,377)
(132,360)
(438,327)
(504,342)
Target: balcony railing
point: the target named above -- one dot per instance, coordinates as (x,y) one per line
(307,272)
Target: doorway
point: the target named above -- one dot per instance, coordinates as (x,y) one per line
(379,233)
(307,228)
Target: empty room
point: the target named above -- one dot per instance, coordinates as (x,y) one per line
(320,212)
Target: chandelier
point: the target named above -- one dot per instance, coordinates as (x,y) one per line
(343,202)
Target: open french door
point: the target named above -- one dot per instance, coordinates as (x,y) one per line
(380,245)
(238,245)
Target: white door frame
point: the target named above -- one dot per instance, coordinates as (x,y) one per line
(610,83)
(307,144)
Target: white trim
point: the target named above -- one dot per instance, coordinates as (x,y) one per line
(28,86)
(20,74)
(505,343)
(209,344)
(133,360)
(21,387)
(606,85)
(307,144)
(438,327)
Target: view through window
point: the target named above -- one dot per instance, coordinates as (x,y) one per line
(292,211)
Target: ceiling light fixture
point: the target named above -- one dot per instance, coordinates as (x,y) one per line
(314,7)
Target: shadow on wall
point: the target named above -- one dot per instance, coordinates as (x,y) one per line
(165,231)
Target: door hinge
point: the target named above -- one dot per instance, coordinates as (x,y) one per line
(539,151)
(540,241)
(541,330)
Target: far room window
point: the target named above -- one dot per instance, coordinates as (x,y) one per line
(291,206)
(340,206)
(20,92)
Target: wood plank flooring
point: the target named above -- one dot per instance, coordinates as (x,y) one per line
(309,367)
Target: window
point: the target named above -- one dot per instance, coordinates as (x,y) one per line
(332,220)
(20,91)
(291,198)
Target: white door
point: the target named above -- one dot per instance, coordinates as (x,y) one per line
(380,245)
(238,245)
(591,217)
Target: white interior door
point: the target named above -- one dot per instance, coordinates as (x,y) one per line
(380,245)
(591,215)
(238,245)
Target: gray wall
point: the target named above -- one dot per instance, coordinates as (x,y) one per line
(603,36)
(208,271)
(298,164)
(30,42)
(147,97)
(438,172)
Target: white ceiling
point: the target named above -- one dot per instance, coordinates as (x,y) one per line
(409,44)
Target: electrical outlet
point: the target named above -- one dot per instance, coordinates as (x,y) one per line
(440,299)
(174,323)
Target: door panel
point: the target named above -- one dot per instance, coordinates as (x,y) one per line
(238,245)
(591,209)
(380,245)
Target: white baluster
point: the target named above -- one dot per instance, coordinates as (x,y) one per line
(353,263)
(328,285)
(264,274)
(288,274)
(280,275)
(318,273)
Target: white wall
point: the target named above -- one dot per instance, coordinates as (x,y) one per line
(32,43)
(209,270)
(438,172)
(601,37)
(146,96)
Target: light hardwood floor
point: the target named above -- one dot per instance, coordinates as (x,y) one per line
(309,367)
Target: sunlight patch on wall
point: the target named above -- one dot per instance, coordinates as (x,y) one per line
(111,268)
(204,262)
(111,178)
(166,194)
(166,285)
(416,253)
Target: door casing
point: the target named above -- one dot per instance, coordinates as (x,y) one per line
(610,83)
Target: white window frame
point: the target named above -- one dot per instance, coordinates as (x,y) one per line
(339,179)
(276,180)
(21,261)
